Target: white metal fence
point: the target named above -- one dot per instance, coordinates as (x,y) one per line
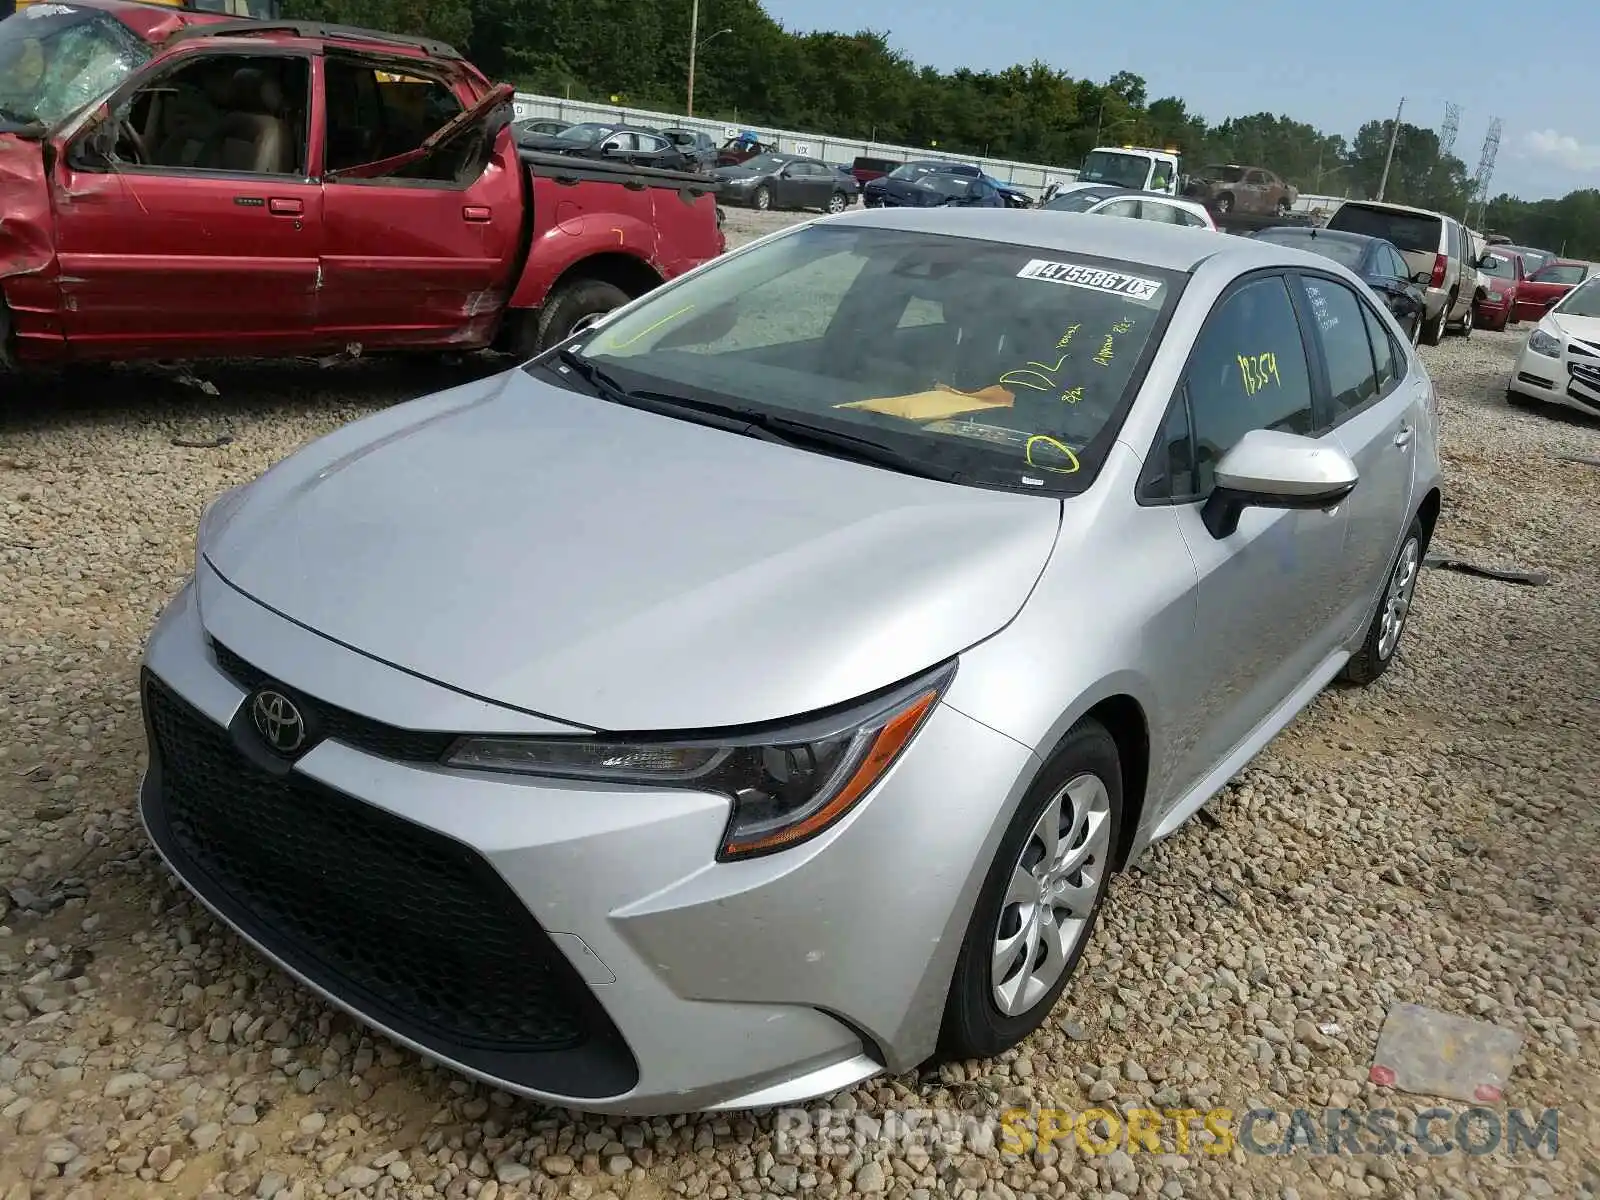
(1029,177)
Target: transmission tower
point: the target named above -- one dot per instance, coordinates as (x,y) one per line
(1480,181)
(1447,131)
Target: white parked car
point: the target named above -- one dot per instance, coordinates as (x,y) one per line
(1560,361)
(1111,201)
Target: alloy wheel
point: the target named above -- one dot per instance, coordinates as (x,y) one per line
(1051,894)
(1397,600)
(836,203)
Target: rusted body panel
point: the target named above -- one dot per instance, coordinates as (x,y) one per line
(104,256)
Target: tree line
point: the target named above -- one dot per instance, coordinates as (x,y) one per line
(752,71)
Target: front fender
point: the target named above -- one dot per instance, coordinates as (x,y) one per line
(570,240)
(27,241)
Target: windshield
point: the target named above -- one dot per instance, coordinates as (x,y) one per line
(1106,166)
(948,185)
(1582,301)
(764,162)
(1412,232)
(911,171)
(1499,266)
(982,362)
(1222,174)
(1081,200)
(55,59)
(1346,254)
(1532,260)
(1560,273)
(587,132)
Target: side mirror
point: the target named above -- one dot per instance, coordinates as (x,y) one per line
(1268,469)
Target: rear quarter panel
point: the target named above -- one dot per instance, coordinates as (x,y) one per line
(669,230)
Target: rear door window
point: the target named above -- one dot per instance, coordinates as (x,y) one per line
(1342,330)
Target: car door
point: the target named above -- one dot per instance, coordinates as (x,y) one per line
(412,254)
(814,183)
(207,240)
(1373,405)
(1268,594)
(1253,192)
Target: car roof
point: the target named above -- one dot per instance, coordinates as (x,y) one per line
(163,25)
(1149,243)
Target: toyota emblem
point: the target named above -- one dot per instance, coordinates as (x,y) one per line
(278,721)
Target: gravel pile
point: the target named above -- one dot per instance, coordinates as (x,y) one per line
(1434,839)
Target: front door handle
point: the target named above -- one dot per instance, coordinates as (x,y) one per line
(281,207)
(478,213)
(1403,438)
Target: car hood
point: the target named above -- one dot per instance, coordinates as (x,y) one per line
(1584,329)
(736,174)
(620,570)
(905,193)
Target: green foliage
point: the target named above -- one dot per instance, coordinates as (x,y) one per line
(751,70)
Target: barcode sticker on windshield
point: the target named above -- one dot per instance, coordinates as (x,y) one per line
(1093,278)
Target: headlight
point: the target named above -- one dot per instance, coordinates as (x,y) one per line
(1544,343)
(786,787)
(1497,296)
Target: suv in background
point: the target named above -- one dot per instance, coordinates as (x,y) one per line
(1437,248)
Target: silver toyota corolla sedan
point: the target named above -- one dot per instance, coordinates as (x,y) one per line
(757,692)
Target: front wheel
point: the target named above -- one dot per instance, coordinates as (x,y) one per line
(1224,204)
(1394,607)
(762,199)
(1038,904)
(1416,329)
(1467,323)
(1284,208)
(838,202)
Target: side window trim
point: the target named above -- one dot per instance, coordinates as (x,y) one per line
(1322,414)
(1328,420)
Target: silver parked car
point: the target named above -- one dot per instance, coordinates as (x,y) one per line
(757,692)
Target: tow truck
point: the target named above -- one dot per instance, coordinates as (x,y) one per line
(1142,167)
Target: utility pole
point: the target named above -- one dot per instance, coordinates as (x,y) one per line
(1388,160)
(694,39)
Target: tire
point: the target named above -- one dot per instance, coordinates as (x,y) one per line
(762,199)
(568,305)
(975,1025)
(1467,323)
(1388,624)
(1416,330)
(1433,332)
(838,202)
(1284,208)
(1224,204)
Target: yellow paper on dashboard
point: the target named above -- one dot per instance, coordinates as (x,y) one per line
(936,404)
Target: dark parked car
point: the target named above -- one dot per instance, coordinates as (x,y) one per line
(697,147)
(1014,196)
(540,125)
(771,181)
(931,184)
(1378,262)
(634,144)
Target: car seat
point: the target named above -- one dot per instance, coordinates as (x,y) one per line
(252,136)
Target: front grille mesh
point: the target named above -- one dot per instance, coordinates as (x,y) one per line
(400,919)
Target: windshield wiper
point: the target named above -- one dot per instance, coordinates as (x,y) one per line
(666,404)
(765,426)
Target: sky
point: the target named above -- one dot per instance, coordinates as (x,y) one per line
(1232,58)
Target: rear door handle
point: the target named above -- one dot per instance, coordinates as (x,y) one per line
(1403,438)
(281,207)
(477,212)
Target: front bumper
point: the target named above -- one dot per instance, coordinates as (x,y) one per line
(1572,380)
(1495,312)
(577,944)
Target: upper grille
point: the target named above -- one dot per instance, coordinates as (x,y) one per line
(362,733)
(408,926)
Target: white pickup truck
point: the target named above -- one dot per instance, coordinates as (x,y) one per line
(1141,167)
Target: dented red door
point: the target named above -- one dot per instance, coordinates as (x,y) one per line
(420,262)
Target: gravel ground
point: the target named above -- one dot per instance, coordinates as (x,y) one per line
(1433,839)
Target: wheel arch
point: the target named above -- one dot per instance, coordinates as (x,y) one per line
(627,271)
(1124,718)
(1428,514)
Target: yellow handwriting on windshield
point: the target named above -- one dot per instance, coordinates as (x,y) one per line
(1043,374)
(1072,395)
(1040,444)
(1123,325)
(649,329)
(1066,338)
(1108,349)
(1259,370)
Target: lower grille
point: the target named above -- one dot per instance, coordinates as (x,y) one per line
(412,929)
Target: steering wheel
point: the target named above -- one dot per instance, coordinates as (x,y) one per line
(126,130)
